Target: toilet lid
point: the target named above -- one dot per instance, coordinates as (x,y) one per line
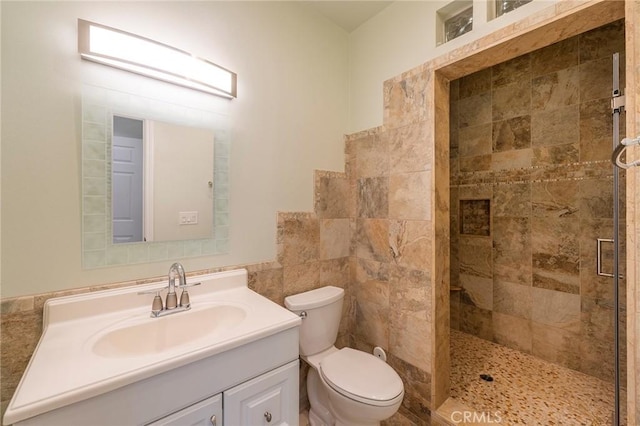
(361,376)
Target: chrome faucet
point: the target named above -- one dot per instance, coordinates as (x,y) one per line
(172,298)
(171,304)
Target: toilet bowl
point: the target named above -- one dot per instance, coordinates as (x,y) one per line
(345,386)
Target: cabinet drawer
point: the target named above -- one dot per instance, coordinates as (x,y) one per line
(270,399)
(204,413)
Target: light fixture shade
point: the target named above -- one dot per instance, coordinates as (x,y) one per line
(130,52)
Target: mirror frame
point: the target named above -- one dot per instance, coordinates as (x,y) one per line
(98,107)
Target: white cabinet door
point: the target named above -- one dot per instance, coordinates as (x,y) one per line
(204,413)
(269,399)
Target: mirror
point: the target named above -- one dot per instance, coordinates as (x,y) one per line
(161,181)
(181,188)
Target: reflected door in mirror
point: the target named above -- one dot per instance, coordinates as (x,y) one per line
(127,180)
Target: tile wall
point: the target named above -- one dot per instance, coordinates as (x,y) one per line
(389,173)
(530,145)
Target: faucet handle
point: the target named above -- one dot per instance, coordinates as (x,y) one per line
(172,300)
(185,302)
(156,305)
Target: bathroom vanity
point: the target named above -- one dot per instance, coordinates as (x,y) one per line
(103,360)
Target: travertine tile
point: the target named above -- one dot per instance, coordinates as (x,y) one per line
(596,198)
(411,244)
(514,159)
(454,309)
(512,249)
(597,359)
(477,291)
(410,291)
(475,164)
(475,140)
(269,283)
(417,387)
(555,257)
(596,129)
(372,156)
(335,272)
(515,300)
(408,196)
(556,345)
(332,199)
(474,84)
(373,195)
(512,71)
(372,240)
(20,334)
(404,418)
(556,127)
(334,238)
(476,321)
(405,100)
(512,200)
(300,278)
(474,110)
(512,332)
(558,56)
(596,80)
(410,338)
(475,256)
(511,100)
(602,42)
(556,155)
(513,133)
(409,150)
(372,323)
(556,309)
(301,238)
(556,90)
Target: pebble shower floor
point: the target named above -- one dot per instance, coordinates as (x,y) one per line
(526,390)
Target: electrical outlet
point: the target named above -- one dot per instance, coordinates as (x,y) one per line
(188,218)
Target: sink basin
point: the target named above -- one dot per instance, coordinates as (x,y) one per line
(155,335)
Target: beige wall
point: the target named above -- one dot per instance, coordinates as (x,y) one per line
(401,37)
(288,120)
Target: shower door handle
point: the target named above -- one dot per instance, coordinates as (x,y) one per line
(599,258)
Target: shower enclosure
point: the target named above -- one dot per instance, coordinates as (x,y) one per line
(535,226)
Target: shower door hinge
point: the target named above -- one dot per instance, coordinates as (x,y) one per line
(617,103)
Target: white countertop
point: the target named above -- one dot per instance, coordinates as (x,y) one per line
(64,368)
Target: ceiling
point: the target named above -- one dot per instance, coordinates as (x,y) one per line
(348,14)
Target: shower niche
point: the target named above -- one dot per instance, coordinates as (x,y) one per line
(475,217)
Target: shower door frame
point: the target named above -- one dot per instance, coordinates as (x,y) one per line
(521,38)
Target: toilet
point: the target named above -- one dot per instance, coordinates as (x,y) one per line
(345,386)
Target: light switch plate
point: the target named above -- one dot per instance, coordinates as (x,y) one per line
(188,218)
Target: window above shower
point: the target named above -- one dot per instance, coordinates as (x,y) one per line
(454,20)
(500,7)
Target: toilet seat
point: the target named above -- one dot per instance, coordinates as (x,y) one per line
(362,377)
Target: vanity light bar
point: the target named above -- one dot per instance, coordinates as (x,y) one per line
(130,52)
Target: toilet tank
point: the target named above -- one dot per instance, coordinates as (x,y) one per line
(323,307)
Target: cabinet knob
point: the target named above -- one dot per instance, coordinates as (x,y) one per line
(213,420)
(267,415)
